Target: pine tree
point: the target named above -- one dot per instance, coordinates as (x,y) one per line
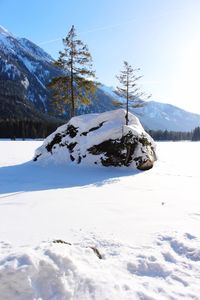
(128,88)
(76,85)
(196,134)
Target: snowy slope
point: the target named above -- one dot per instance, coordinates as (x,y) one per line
(25,70)
(35,50)
(145,225)
(163,116)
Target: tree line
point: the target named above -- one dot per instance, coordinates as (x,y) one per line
(40,129)
(165,135)
(13,128)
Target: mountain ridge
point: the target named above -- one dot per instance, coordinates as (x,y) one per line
(156,115)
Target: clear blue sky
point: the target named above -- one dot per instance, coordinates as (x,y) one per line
(162,37)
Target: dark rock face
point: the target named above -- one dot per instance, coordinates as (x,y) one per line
(101,139)
(56,140)
(120,152)
(117,152)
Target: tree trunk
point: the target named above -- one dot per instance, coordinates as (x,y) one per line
(72,113)
(127,96)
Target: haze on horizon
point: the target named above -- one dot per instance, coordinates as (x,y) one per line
(162,38)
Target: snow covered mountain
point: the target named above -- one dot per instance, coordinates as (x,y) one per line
(25,70)
(160,116)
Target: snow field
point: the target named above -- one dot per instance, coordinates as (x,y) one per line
(144,224)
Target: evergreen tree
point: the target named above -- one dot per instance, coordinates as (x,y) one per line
(76,85)
(196,134)
(128,88)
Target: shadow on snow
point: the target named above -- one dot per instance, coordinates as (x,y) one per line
(31,176)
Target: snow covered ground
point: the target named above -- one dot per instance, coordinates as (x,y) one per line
(144,224)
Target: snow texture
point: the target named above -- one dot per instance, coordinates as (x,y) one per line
(61,271)
(101,139)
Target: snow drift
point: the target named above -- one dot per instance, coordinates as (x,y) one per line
(59,271)
(100,139)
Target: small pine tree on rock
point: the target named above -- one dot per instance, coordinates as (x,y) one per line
(128,86)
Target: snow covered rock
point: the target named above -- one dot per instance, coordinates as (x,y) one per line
(101,139)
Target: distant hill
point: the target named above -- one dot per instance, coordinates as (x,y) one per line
(155,115)
(25,70)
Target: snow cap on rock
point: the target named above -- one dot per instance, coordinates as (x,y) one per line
(101,139)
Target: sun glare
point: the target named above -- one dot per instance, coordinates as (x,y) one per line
(186,80)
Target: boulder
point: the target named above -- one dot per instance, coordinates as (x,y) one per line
(101,139)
